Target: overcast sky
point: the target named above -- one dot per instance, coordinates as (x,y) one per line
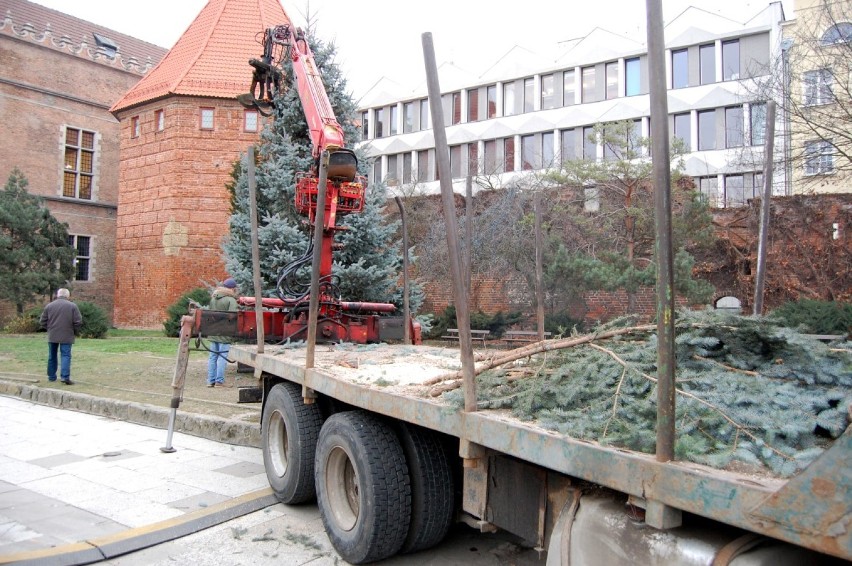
(377,38)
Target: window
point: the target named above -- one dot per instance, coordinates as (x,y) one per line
(424,114)
(707,129)
(491,98)
(473,159)
(611,80)
(547,149)
(588,75)
(758,123)
(206,118)
(456,110)
(756,185)
(590,146)
(455,161)
(79,163)
(134,127)
(250,123)
(680,68)
(818,87)
(819,157)
(160,120)
(406,167)
(568,145)
(734,126)
(490,159)
(547,93)
(378,129)
(377,170)
(423,165)
(568,88)
(365,123)
(838,33)
(734,191)
(509,155)
(528,153)
(632,77)
(508,99)
(82,257)
(408,117)
(731,60)
(105,45)
(683,129)
(473,105)
(529,98)
(708,188)
(394,119)
(707,62)
(392,177)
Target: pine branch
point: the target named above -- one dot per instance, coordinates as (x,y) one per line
(535,348)
(727,367)
(740,427)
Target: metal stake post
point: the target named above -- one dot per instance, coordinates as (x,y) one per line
(179,378)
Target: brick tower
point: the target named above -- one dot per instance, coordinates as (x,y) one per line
(181,132)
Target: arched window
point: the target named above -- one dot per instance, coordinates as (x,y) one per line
(838,33)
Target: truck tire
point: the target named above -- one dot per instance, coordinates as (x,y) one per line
(432,490)
(363,489)
(289,430)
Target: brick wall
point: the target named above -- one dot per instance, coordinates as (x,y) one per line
(43,90)
(173,206)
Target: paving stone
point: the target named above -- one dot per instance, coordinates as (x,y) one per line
(57,460)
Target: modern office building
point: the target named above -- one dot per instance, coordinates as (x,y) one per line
(527,112)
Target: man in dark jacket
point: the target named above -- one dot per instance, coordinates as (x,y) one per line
(63,320)
(224,299)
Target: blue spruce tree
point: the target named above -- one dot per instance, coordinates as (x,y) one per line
(368,267)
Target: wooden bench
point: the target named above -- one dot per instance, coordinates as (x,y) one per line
(480,335)
(522,336)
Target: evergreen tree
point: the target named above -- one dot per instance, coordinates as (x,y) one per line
(368,266)
(611,245)
(35,257)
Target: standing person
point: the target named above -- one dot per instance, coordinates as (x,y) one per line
(63,321)
(224,299)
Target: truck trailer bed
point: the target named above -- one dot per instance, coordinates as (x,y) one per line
(811,509)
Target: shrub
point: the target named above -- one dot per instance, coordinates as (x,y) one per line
(95,320)
(815,317)
(179,308)
(562,324)
(27,323)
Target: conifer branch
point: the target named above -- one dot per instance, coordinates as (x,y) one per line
(535,348)
(726,366)
(740,427)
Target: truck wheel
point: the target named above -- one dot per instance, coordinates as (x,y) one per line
(289,431)
(363,490)
(431,488)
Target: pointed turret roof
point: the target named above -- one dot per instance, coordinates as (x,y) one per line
(211,57)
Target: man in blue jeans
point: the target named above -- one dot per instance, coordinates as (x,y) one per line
(224,299)
(63,321)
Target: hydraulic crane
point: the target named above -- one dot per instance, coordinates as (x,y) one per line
(286,317)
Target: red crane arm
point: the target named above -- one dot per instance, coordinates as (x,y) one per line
(325,131)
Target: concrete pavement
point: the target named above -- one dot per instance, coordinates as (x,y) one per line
(77,488)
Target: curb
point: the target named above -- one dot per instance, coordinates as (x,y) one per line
(229,431)
(131,540)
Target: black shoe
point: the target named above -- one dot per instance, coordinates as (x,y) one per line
(67,382)
(51,379)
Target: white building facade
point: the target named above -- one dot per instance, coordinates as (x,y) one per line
(526,114)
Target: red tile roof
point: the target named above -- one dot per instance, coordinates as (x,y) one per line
(211,57)
(25,19)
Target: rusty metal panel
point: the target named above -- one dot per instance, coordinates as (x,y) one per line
(217,323)
(475,489)
(391,328)
(516,494)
